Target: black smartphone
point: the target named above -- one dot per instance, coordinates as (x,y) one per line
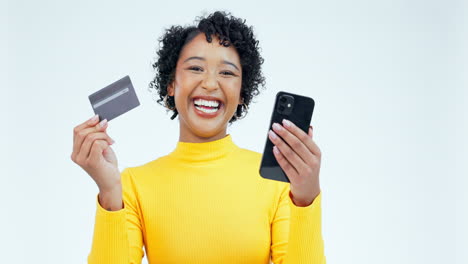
(295,108)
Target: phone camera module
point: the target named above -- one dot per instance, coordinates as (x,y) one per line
(285,104)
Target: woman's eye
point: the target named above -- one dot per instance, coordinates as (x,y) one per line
(227,73)
(196,68)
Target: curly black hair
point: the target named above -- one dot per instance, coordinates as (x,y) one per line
(230,31)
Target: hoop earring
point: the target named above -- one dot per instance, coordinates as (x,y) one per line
(239,110)
(166,103)
(246,107)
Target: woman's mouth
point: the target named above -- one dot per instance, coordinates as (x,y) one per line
(207,108)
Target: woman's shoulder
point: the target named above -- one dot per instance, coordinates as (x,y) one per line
(146,167)
(244,152)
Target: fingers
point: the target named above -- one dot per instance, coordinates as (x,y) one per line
(285,165)
(296,144)
(88,143)
(98,146)
(80,135)
(84,132)
(303,137)
(287,152)
(90,122)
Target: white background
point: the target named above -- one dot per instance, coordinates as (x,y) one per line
(388,78)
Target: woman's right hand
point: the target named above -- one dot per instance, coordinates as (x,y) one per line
(92,152)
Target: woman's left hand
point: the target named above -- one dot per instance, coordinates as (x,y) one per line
(299,157)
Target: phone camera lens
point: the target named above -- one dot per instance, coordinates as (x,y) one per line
(281,108)
(283,99)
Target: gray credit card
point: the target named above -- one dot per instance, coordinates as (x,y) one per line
(114,99)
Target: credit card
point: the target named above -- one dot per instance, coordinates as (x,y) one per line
(115,99)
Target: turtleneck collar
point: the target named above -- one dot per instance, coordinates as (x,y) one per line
(203,152)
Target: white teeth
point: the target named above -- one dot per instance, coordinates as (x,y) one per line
(207,103)
(206,110)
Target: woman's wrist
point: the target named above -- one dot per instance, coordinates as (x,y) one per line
(111,200)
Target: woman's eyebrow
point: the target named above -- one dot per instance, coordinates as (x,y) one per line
(203,59)
(194,58)
(230,63)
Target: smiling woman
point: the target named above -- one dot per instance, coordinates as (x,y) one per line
(207,74)
(205,202)
(226,30)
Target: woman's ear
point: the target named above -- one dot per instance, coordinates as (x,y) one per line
(170,89)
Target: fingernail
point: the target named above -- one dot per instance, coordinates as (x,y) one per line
(276,126)
(102,123)
(272,134)
(287,123)
(93,119)
(275,150)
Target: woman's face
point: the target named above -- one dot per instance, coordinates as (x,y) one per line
(212,73)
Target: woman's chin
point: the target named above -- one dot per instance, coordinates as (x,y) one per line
(207,121)
(207,127)
(208,132)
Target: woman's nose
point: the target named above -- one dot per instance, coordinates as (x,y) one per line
(210,82)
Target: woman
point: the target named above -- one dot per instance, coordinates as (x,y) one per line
(205,202)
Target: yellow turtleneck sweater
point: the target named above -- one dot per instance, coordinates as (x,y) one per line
(207,203)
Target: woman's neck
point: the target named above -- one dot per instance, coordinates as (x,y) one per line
(186,135)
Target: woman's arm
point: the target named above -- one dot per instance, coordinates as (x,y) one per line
(118,235)
(297,232)
(112,199)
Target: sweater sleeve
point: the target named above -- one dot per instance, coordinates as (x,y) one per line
(297,232)
(117,237)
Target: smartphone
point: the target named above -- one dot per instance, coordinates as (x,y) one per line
(295,108)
